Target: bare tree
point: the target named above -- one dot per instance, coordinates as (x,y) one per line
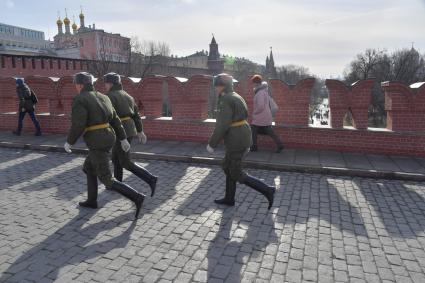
(406,66)
(148,55)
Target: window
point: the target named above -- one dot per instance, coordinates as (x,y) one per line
(24,62)
(42,63)
(73,65)
(33,63)
(13,62)
(2,61)
(51,63)
(59,64)
(66,64)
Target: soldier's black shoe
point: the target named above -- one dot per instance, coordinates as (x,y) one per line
(279,149)
(253,148)
(261,187)
(16,133)
(88,204)
(129,193)
(229,197)
(145,175)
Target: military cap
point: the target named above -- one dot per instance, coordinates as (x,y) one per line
(112,78)
(83,78)
(223,80)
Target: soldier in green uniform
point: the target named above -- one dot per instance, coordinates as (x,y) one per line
(94,117)
(232,127)
(128,112)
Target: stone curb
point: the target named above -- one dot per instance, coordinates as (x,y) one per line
(337,171)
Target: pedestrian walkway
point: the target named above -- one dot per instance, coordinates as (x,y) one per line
(293,160)
(321,228)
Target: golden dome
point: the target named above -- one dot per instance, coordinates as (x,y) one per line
(81,15)
(66,21)
(74,26)
(59,22)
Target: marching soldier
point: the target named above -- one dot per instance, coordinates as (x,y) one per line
(94,117)
(128,112)
(232,126)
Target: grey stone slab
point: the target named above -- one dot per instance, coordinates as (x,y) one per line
(261,156)
(357,161)
(287,156)
(307,157)
(332,159)
(382,162)
(408,164)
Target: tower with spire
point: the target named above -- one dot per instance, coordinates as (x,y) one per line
(215,63)
(59,23)
(67,23)
(270,67)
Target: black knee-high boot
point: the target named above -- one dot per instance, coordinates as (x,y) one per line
(91,201)
(118,171)
(261,187)
(229,197)
(129,193)
(145,175)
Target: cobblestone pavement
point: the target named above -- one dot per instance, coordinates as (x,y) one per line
(322,228)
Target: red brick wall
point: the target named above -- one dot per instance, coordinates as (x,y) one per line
(355,98)
(41,67)
(406,107)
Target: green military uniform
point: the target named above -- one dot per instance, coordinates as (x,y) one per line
(237,139)
(233,128)
(128,112)
(94,117)
(91,108)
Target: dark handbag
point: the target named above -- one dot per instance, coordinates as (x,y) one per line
(34,98)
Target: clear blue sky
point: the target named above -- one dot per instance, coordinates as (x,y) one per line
(323,35)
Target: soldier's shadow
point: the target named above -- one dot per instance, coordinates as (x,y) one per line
(170,177)
(399,207)
(244,231)
(229,251)
(70,245)
(305,197)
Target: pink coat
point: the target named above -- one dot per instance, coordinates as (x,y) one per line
(262,114)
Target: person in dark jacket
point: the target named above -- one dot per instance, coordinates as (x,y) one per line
(232,127)
(94,117)
(128,112)
(27,102)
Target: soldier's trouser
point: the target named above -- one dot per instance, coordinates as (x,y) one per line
(97,164)
(232,167)
(121,159)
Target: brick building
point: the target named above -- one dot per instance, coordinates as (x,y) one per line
(89,43)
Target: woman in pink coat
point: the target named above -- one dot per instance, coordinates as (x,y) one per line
(262,118)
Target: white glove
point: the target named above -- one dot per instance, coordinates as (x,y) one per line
(210,149)
(142,137)
(125,145)
(67,147)
(247,150)
(23,110)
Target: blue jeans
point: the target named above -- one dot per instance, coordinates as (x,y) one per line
(33,118)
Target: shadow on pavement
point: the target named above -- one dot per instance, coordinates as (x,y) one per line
(401,210)
(68,246)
